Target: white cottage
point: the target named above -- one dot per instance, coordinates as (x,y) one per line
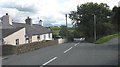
(20,33)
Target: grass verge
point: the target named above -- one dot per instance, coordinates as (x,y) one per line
(106,38)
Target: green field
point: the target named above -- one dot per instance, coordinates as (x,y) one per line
(56,30)
(106,38)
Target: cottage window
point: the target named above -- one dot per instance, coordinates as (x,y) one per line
(38,37)
(17,41)
(27,38)
(49,35)
(44,37)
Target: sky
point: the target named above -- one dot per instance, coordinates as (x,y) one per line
(51,12)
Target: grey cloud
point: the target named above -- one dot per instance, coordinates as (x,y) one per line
(26,8)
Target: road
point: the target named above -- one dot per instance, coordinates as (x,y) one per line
(69,54)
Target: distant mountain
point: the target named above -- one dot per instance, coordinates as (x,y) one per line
(49,24)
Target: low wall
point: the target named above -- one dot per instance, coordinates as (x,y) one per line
(61,41)
(33,46)
(10,49)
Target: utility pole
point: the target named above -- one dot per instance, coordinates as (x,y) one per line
(66,27)
(66,19)
(94,28)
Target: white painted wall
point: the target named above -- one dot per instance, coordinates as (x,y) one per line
(11,39)
(34,38)
(46,36)
(60,41)
(42,37)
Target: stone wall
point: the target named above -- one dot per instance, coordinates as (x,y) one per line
(10,49)
(34,46)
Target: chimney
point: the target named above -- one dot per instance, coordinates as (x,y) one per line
(28,21)
(41,22)
(7,19)
(6,13)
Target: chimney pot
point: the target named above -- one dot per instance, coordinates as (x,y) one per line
(28,21)
(6,13)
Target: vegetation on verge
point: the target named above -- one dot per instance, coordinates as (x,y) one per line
(62,30)
(55,30)
(83,20)
(88,17)
(106,38)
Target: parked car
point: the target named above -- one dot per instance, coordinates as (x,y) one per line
(58,37)
(78,39)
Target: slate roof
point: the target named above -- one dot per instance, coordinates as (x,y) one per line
(9,31)
(6,26)
(30,30)
(35,29)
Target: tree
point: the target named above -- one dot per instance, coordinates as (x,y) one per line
(118,19)
(66,33)
(83,19)
(115,18)
(63,31)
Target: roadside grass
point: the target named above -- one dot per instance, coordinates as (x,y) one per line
(106,38)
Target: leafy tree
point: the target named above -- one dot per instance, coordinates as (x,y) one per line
(118,19)
(66,32)
(83,19)
(63,31)
(115,18)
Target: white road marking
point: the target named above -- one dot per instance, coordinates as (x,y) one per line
(48,61)
(4,58)
(76,44)
(57,57)
(68,49)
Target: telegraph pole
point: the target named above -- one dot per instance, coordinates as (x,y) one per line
(66,19)
(66,27)
(94,27)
